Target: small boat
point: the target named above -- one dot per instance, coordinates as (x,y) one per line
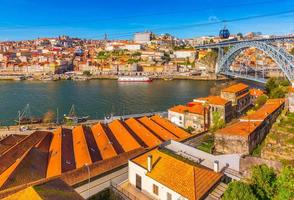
(25,117)
(134,79)
(73,118)
(168,79)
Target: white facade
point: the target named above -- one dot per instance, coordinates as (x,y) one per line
(147,183)
(132,47)
(185,54)
(142,38)
(176,118)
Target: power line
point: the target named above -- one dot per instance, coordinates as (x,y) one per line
(125,34)
(21,27)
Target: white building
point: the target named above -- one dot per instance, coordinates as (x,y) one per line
(185,54)
(160,175)
(132,47)
(142,38)
(177,116)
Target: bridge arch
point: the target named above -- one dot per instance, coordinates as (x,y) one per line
(283,59)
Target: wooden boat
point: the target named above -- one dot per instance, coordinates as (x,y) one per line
(73,118)
(25,117)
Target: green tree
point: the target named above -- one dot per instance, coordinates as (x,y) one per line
(285,184)
(263,181)
(238,190)
(260,101)
(277,87)
(217,120)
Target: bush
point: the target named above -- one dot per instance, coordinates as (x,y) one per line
(238,190)
(285,184)
(263,181)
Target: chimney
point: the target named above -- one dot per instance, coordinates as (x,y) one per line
(216,166)
(149,163)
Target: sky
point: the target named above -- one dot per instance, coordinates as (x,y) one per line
(91,19)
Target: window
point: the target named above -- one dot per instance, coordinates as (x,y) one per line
(138,182)
(155,189)
(168,196)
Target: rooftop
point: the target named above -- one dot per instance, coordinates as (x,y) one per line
(190,181)
(196,109)
(249,123)
(256,92)
(235,88)
(48,154)
(215,100)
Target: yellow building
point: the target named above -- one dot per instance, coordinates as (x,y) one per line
(158,69)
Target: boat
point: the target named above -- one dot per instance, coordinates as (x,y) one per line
(73,118)
(25,117)
(134,79)
(168,79)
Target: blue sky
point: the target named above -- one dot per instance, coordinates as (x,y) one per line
(28,19)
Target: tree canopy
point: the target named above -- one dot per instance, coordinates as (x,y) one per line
(238,190)
(264,184)
(277,87)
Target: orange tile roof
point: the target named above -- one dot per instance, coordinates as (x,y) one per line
(6,174)
(190,181)
(215,100)
(249,123)
(235,88)
(256,92)
(291,89)
(125,139)
(243,129)
(196,109)
(161,132)
(145,135)
(104,145)
(262,113)
(54,161)
(82,155)
(171,127)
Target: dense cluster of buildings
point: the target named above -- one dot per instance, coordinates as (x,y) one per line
(200,114)
(147,53)
(146,157)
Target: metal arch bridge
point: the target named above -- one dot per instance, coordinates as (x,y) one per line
(283,59)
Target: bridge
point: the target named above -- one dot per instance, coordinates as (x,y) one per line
(283,59)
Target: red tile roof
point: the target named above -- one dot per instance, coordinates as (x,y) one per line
(236,88)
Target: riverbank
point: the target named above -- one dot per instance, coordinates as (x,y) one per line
(109,77)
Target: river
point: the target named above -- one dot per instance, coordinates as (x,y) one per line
(96,97)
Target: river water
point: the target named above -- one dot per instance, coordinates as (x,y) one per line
(96,97)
